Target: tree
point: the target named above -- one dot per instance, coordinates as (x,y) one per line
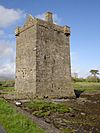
(93,77)
(94,72)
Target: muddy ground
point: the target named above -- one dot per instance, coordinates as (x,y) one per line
(84,117)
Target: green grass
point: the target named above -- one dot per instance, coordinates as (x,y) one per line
(15,122)
(7,85)
(7,88)
(8,92)
(7,82)
(87,86)
(43,108)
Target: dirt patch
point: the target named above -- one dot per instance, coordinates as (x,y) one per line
(81,116)
(84,117)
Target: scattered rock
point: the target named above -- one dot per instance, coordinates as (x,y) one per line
(18,103)
(94,102)
(83,113)
(58,122)
(47,120)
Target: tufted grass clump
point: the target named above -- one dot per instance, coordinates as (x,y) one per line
(43,108)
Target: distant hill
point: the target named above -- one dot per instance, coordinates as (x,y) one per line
(7,77)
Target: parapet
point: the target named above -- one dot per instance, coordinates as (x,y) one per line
(47,23)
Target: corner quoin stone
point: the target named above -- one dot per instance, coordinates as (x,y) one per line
(43,59)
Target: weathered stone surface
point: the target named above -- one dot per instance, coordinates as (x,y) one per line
(43,59)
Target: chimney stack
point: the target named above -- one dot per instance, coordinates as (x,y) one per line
(49,17)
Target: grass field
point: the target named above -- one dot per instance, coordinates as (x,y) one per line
(7,88)
(82,86)
(7,85)
(14,122)
(87,86)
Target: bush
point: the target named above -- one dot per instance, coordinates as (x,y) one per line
(88,79)
(93,79)
(78,79)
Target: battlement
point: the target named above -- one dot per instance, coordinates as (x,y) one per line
(47,23)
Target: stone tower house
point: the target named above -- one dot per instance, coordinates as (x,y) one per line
(43,59)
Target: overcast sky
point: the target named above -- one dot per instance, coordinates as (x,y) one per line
(83,16)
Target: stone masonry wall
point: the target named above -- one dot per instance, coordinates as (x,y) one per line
(53,78)
(26,61)
(43,60)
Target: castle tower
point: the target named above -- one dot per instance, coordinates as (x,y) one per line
(43,59)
